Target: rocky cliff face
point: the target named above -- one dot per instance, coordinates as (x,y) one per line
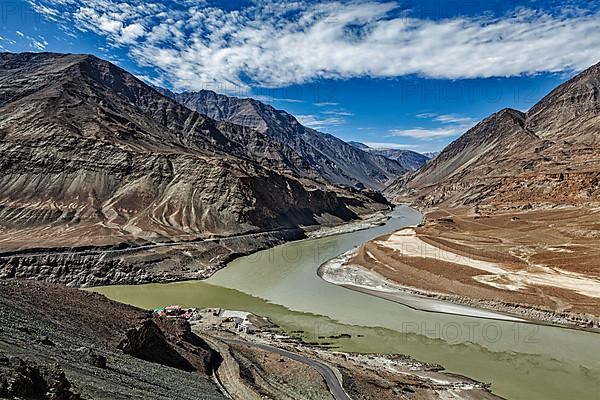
(91,156)
(548,155)
(326,156)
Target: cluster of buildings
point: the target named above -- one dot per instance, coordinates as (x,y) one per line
(235,320)
(174,312)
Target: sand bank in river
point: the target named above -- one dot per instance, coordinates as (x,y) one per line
(510,262)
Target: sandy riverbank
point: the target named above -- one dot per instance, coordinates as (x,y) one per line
(501,263)
(341,271)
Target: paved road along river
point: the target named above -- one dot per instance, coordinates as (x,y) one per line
(325,370)
(521,361)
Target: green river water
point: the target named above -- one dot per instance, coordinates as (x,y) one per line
(521,361)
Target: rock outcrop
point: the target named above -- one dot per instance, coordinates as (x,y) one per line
(151,343)
(20,379)
(59,343)
(133,264)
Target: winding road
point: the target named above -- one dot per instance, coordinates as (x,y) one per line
(113,249)
(333,383)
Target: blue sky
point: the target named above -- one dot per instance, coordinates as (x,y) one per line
(405,74)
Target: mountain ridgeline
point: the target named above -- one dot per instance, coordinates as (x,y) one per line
(550,154)
(318,155)
(410,160)
(93,156)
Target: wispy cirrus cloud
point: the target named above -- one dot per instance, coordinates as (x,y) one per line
(326,104)
(451,125)
(423,133)
(273,44)
(317,122)
(38,43)
(272,99)
(390,145)
(448,118)
(340,113)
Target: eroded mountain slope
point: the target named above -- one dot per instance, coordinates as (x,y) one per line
(91,156)
(549,154)
(62,343)
(83,140)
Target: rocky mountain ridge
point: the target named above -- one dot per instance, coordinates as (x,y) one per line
(549,154)
(92,156)
(326,156)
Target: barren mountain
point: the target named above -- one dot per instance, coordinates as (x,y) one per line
(409,160)
(549,154)
(327,156)
(92,156)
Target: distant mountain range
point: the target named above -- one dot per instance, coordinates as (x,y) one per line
(550,154)
(92,155)
(432,154)
(313,154)
(410,160)
(88,146)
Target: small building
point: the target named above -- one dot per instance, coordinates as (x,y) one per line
(245,327)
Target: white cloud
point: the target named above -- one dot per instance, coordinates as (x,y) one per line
(423,133)
(271,99)
(326,104)
(158,82)
(422,148)
(316,122)
(48,12)
(38,45)
(388,145)
(448,118)
(452,125)
(271,46)
(107,23)
(131,33)
(340,113)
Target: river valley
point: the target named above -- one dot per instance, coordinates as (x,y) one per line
(520,360)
